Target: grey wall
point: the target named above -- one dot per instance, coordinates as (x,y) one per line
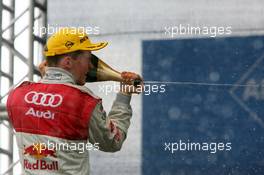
(149,15)
(124,24)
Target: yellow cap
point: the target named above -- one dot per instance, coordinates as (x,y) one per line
(69,40)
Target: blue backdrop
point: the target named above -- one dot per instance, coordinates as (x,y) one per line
(204,113)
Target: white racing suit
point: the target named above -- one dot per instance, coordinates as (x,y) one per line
(58,122)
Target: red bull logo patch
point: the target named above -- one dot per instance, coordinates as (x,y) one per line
(40,153)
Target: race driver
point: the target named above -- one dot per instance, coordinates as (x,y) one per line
(59,110)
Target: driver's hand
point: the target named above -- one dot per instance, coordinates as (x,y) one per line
(127,86)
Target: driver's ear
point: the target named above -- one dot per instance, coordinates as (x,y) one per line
(66,62)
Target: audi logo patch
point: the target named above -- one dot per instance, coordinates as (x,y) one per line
(43,99)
